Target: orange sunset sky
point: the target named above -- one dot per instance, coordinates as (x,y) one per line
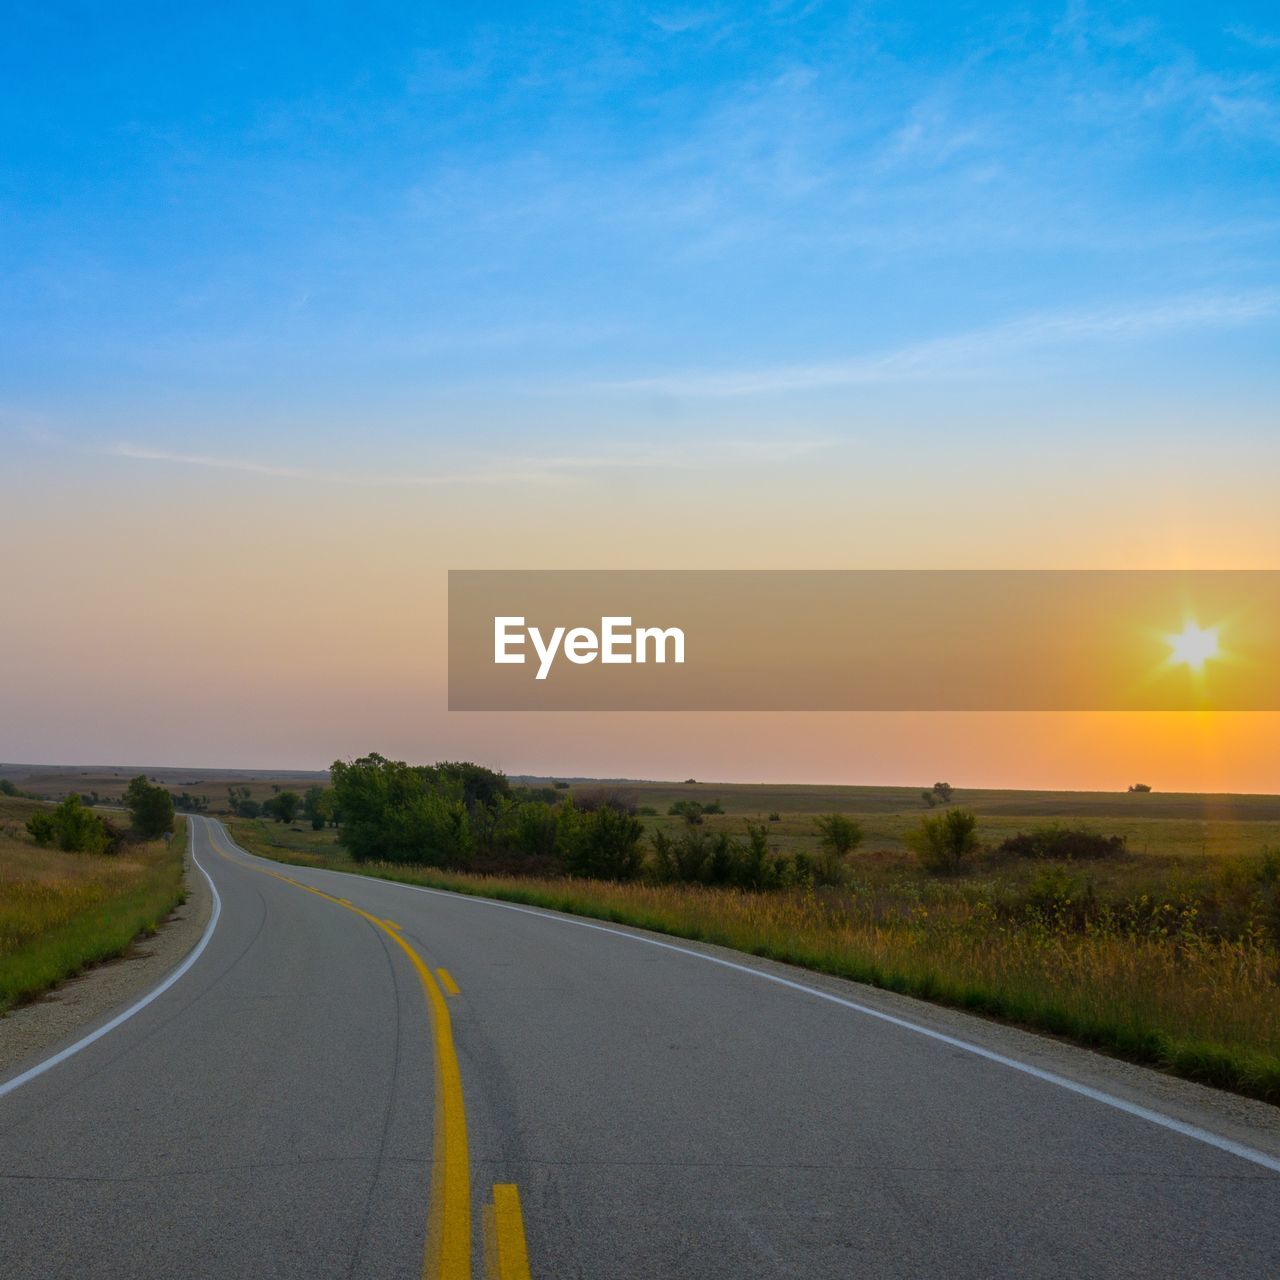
(298,319)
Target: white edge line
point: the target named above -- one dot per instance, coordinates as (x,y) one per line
(41,1067)
(1049,1077)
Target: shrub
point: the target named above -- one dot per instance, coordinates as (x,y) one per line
(592,798)
(283,807)
(945,841)
(603,844)
(150,808)
(74,828)
(401,813)
(690,810)
(525,837)
(43,829)
(839,835)
(1071,844)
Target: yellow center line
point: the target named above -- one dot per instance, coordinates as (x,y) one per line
(448,1251)
(506,1256)
(447,982)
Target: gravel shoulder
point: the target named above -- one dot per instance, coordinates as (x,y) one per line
(74,1007)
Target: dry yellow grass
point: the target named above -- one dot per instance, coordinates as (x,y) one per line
(62,911)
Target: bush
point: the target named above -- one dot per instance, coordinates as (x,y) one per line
(525,838)
(839,835)
(946,841)
(73,828)
(43,829)
(690,810)
(1070,844)
(590,799)
(283,807)
(402,813)
(150,808)
(602,844)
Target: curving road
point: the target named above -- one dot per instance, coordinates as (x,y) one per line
(313,1089)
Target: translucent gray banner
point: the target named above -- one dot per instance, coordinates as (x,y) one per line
(873,640)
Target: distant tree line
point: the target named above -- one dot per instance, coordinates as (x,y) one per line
(457,815)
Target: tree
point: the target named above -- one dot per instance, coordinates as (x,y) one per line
(929,798)
(839,835)
(401,812)
(943,791)
(945,841)
(73,827)
(690,810)
(603,844)
(317,804)
(284,807)
(150,808)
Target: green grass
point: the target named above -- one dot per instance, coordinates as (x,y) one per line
(1176,966)
(61,912)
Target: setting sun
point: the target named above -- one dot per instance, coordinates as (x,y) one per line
(1194,646)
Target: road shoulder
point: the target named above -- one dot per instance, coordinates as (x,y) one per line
(76,1005)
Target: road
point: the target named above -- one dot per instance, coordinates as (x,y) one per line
(310,1091)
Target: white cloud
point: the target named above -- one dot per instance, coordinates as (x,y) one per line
(948,356)
(518,469)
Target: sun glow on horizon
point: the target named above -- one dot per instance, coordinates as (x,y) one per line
(1194,645)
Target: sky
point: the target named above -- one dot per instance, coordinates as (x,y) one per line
(305,305)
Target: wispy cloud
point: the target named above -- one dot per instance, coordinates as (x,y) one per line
(949,356)
(519,469)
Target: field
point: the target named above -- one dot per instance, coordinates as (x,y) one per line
(56,782)
(1164,953)
(60,912)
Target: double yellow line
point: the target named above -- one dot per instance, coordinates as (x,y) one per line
(448,1250)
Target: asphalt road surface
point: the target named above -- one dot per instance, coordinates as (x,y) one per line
(311,1098)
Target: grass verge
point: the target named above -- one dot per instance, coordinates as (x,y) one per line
(61,912)
(1200,1007)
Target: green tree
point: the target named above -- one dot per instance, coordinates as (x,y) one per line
(690,810)
(150,807)
(838,835)
(43,829)
(403,813)
(284,807)
(604,845)
(317,804)
(945,841)
(72,826)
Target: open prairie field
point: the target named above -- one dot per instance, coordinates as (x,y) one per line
(60,912)
(56,782)
(1173,825)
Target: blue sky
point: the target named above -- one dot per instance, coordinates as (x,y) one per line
(392,236)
